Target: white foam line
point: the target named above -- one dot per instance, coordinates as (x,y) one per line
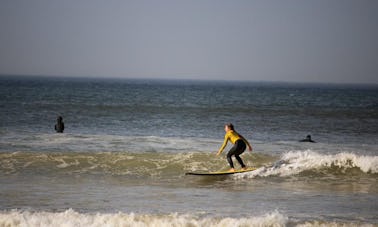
(70,218)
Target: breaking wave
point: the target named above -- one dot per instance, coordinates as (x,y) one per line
(300,162)
(71,217)
(168,164)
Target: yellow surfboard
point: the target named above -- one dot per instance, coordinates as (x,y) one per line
(220,172)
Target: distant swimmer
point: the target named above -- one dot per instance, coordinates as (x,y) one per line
(308,139)
(59,126)
(240,144)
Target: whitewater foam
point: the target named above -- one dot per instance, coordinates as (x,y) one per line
(296,162)
(72,218)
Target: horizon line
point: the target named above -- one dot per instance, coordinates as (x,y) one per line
(371,84)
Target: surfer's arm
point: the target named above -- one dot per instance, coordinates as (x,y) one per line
(223,145)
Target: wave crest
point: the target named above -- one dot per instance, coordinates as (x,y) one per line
(297,162)
(155,164)
(73,218)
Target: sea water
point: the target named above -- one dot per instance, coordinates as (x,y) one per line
(127,144)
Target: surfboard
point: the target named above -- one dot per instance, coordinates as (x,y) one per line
(220,172)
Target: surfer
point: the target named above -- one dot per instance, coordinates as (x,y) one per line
(308,139)
(59,126)
(240,144)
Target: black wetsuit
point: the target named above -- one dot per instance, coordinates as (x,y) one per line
(238,148)
(59,127)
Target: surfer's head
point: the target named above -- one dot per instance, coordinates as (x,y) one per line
(228,127)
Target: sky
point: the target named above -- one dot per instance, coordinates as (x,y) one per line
(327,41)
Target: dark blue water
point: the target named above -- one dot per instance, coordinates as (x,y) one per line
(269,111)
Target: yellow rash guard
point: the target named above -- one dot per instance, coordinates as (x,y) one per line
(233,137)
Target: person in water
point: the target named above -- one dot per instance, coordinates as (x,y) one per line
(308,139)
(240,144)
(59,126)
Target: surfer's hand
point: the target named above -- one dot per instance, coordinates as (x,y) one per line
(250,148)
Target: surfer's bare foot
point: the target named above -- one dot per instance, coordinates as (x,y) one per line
(231,170)
(244,168)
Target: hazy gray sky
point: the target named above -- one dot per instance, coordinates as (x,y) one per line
(303,40)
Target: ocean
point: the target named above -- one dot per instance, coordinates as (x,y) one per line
(128,143)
